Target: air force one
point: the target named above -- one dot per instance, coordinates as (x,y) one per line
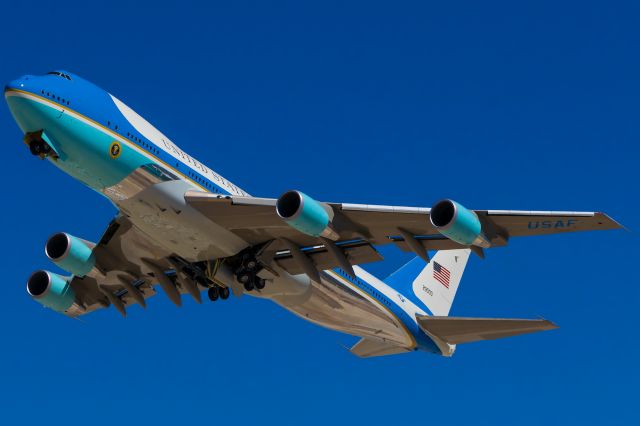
(183,228)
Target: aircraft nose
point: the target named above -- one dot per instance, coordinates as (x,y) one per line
(17,84)
(13,84)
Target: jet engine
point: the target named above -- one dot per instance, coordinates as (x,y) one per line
(51,290)
(306,215)
(70,253)
(458,224)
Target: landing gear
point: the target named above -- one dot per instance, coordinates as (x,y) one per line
(216,293)
(245,277)
(39,148)
(200,276)
(213,293)
(247,273)
(37,144)
(250,280)
(224,293)
(250,264)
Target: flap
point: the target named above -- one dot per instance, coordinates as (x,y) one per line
(357,252)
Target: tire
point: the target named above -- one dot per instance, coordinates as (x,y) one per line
(213,293)
(224,293)
(260,283)
(248,286)
(34,147)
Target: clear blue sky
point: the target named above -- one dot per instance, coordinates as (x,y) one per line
(495,104)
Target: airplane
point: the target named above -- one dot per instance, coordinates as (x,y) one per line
(184,229)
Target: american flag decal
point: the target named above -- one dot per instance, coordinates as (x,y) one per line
(441,274)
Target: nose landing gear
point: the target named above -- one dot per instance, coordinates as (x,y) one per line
(38,145)
(39,148)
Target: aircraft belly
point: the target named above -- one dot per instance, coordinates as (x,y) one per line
(333,304)
(161,212)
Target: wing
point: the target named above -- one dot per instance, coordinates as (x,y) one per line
(255,220)
(127,265)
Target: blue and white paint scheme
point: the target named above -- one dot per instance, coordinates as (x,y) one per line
(185,229)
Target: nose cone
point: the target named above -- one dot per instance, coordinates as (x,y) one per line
(17,84)
(30,114)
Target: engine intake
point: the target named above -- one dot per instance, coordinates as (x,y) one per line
(307,215)
(51,290)
(458,223)
(70,253)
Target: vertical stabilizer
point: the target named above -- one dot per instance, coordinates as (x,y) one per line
(434,284)
(437,284)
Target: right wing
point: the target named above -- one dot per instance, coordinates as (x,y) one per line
(120,277)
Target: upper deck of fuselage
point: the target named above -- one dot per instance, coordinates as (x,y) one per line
(36,103)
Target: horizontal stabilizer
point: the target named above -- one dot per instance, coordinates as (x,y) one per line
(454,330)
(366,348)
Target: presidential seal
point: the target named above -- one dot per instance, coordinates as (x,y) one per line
(115,150)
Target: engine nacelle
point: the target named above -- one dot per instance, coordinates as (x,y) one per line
(51,290)
(70,253)
(458,223)
(306,215)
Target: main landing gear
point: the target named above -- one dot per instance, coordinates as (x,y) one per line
(247,273)
(218,292)
(214,291)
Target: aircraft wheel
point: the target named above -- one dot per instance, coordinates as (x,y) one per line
(213,293)
(35,147)
(224,293)
(260,283)
(39,147)
(248,286)
(244,277)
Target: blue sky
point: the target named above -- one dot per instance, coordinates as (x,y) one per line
(497,105)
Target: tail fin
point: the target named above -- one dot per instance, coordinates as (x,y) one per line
(436,283)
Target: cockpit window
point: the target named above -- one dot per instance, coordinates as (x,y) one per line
(59,74)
